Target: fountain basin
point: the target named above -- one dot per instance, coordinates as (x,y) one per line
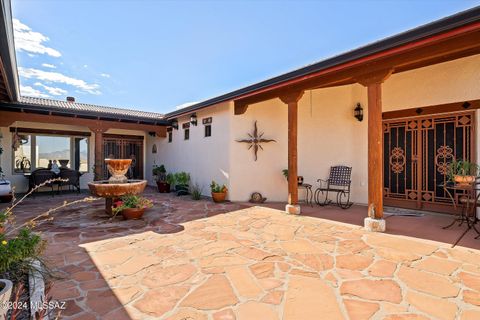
(107,189)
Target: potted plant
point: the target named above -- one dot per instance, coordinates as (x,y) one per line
(299,178)
(182,181)
(219,192)
(170,179)
(462,172)
(131,206)
(160,177)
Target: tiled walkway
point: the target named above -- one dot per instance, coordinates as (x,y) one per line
(187,261)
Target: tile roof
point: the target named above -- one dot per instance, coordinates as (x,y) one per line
(76,107)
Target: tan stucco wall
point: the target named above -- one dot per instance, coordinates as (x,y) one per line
(205,158)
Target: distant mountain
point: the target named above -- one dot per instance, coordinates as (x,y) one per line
(61,154)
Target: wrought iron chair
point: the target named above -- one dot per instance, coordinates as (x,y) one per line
(72,178)
(339,181)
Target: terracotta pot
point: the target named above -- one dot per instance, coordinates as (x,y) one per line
(219,196)
(163,187)
(464,180)
(133,213)
(5,293)
(2,230)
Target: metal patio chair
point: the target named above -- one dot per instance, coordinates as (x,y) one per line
(40,176)
(72,178)
(339,181)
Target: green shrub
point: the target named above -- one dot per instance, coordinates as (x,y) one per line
(196,191)
(17,251)
(182,178)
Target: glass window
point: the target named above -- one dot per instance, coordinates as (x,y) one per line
(187,134)
(208,131)
(81,154)
(41,151)
(51,149)
(23,154)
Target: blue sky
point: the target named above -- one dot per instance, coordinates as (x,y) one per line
(156,55)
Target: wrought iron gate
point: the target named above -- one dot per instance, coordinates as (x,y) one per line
(125,147)
(417,152)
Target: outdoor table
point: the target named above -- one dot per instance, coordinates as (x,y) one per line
(469,200)
(308,193)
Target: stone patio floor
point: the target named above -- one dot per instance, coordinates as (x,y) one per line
(198,260)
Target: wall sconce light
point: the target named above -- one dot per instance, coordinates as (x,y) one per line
(193,119)
(175,124)
(358,112)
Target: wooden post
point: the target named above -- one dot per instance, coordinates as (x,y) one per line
(373,82)
(375,151)
(291,100)
(98,171)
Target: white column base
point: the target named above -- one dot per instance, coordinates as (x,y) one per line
(375,225)
(292,209)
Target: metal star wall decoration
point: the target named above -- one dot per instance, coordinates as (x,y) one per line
(255,140)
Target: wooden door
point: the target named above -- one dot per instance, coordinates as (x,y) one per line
(125,147)
(417,152)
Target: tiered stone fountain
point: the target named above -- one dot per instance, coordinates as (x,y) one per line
(118,184)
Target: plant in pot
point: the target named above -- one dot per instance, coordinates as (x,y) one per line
(462,172)
(219,192)
(131,206)
(299,178)
(182,181)
(160,177)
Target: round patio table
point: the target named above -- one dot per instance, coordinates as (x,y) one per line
(469,200)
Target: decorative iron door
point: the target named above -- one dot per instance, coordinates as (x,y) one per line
(417,152)
(125,147)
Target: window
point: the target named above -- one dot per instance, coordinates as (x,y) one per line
(208,131)
(52,148)
(170,136)
(22,161)
(41,150)
(186,133)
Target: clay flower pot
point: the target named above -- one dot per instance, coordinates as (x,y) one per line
(5,293)
(464,180)
(133,213)
(163,187)
(219,196)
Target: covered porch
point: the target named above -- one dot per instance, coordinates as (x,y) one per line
(363,75)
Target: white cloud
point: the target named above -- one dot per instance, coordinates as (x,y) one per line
(32,92)
(48,65)
(49,76)
(184,105)
(31,41)
(52,90)
(105,75)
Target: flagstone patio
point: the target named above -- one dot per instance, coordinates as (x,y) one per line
(198,260)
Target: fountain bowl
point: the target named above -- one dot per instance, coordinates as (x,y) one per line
(107,189)
(118,168)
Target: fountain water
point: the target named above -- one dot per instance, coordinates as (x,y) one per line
(118,184)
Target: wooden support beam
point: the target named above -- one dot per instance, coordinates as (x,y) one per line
(373,82)
(291,99)
(98,161)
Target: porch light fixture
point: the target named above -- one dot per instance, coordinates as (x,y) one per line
(175,124)
(358,112)
(193,119)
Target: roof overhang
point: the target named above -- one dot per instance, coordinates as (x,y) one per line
(61,112)
(9,84)
(443,40)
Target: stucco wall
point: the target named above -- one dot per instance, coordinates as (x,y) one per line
(452,81)
(205,158)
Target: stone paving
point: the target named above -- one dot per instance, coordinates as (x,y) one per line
(188,260)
